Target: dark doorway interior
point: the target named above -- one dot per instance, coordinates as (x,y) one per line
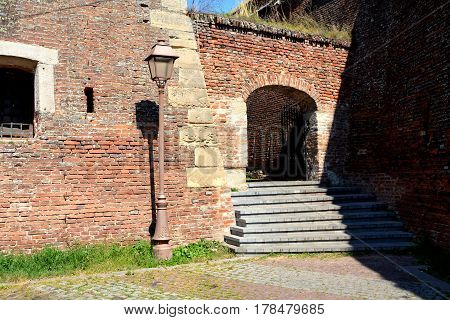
(282,134)
(16,103)
(292,162)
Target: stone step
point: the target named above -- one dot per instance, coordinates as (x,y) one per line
(299,217)
(331,246)
(369,236)
(294,190)
(305,216)
(366,225)
(275,184)
(285,199)
(308,207)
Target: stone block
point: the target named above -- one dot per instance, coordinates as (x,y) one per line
(208,157)
(236,178)
(182,39)
(170,20)
(181,35)
(191,78)
(189,59)
(175,5)
(182,43)
(198,136)
(200,116)
(238,107)
(44,92)
(188,96)
(205,177)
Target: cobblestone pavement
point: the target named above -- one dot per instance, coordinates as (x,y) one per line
(279,277)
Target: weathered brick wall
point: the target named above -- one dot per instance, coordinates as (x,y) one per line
(335,12)
(87,176)
(239,57)
(400,117)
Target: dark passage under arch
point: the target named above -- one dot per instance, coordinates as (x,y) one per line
(282,134)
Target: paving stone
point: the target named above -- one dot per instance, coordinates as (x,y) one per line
(282,277)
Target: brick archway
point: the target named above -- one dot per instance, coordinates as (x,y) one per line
(238,59)
(253,83)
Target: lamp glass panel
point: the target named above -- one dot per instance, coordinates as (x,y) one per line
(164,67)
(152,66)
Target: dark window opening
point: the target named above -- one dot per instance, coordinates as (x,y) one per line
(89,92)
(16,103)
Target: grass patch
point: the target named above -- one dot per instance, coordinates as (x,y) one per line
(102,258)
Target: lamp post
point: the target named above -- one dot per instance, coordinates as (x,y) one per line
(160,62)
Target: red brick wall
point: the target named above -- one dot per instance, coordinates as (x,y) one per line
(400,118)
(240,57)
(87,177)
(335,12)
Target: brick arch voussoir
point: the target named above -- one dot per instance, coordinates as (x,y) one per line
(286,80)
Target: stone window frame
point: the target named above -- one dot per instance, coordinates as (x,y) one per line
(39,60)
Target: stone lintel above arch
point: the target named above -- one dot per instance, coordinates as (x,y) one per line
(30,52)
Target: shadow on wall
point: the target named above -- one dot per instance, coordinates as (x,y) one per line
(147,121)
(392,119)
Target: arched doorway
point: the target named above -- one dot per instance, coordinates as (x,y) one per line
(282,134)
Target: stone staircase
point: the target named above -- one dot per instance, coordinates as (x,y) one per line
(303,216)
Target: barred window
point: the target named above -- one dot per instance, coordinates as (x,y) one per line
(16,103)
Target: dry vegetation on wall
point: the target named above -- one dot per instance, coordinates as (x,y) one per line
(298,22)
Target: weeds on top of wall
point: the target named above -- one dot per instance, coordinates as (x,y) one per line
(302,23)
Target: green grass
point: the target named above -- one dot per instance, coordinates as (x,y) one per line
(101,258)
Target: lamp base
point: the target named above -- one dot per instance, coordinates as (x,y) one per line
(162,251)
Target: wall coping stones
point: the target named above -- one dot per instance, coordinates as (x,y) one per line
(265,30)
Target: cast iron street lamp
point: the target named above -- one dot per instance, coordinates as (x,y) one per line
(160,62)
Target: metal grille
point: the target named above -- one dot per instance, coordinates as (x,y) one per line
(16,130)
(295,130)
